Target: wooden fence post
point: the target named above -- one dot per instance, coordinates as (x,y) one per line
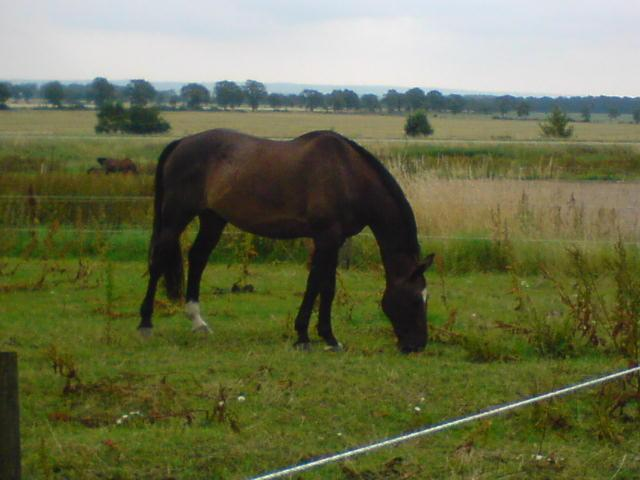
(9,417)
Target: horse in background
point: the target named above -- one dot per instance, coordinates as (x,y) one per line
(320,185)
(117,165)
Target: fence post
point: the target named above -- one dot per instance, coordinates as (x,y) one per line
(9,417)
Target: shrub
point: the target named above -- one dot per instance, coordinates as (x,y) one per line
(111,118)
(417,124)
(114,117)
(556,125)
(146,120)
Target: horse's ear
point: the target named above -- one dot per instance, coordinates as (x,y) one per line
(423,266)
(428,260)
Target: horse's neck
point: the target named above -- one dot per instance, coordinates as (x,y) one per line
(397,244)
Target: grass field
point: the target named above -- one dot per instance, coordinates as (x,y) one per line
(515,310)
(243,401)
(290,124)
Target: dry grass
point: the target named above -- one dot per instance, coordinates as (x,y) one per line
(290,124)
(528,209)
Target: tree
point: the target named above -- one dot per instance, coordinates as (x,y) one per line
(228,94)
(295,100)
(336,100)
(393,100)
(586,114)
(140,92)
(370,102)
(351,99)
(145,120)
(523,109)
(255,93)
(417,124)
(455,103)
(506,103)
(111,118)
(555,125)
(76,93)
(195,95)
(5,93)
(312,99)
(614,113)
(415,99)
(53,93)
(435,101)
(277,100)
(101,91)
(636,115)
(24,91)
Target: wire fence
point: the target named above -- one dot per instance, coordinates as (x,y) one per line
(149,198)
(131,214)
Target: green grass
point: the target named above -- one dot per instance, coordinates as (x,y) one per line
(297,405)
(524,161)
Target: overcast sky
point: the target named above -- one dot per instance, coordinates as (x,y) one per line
(558,47)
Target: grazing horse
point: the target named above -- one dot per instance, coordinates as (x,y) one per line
(320,185)
(117,165)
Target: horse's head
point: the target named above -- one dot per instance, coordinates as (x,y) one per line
(405,303)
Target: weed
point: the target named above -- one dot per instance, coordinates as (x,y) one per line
(221,413)
(550,335)
(64,365)
(246,253)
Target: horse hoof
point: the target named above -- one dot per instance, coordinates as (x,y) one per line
(334,348)
(303,346)
(145,332)
(202,329)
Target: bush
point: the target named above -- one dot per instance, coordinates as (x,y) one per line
(114,117)
(146,120)
(417,124)
(111,118)
(556,125)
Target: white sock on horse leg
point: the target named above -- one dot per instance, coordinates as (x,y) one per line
(197,323)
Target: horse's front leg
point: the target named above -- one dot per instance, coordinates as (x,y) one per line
(327,294)
(317,273)
(321,280)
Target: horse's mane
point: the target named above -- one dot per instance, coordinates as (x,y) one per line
(388,181)
(396,193)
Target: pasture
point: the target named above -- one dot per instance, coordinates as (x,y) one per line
(530,293)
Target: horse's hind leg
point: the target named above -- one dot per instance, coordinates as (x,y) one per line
(164,248)
(211,226)
(165,260)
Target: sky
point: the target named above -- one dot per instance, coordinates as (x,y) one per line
(554,47)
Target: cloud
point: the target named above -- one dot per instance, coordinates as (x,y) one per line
(490,45)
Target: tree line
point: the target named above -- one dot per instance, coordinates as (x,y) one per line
(253,94)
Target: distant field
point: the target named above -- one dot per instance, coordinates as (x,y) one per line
(291,124)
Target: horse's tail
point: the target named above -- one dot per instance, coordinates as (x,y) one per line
(172,259)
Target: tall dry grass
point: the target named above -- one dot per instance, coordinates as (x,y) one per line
(523,209)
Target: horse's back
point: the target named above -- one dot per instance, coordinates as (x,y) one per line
(273,188)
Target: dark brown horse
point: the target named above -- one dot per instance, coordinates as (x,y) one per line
(117,165)
(320,185)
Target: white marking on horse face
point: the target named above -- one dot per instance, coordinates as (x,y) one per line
(424,295)
(192,310)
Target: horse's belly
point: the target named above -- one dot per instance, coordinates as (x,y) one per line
(282,228)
